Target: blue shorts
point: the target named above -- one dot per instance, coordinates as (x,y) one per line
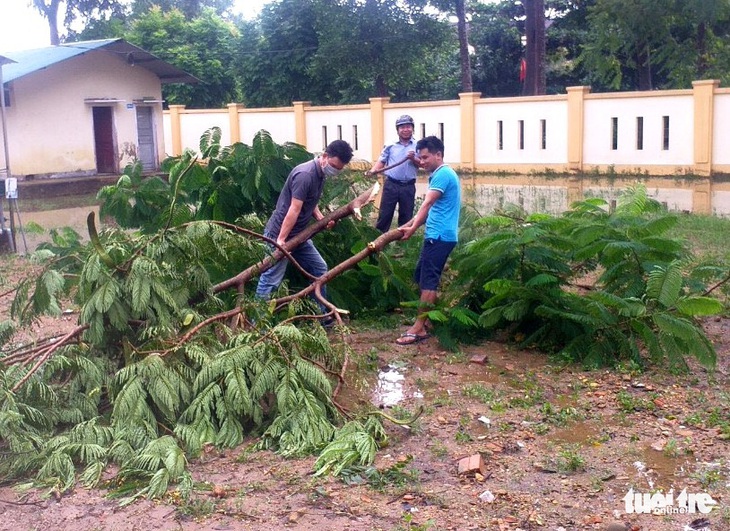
(434,254)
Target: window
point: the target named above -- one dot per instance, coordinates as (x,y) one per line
(543,134)
(639,133)
(339,132)
(441,131)
(665,133)
(521,133)
(423,130)
(354,137)
(614,133)
(324,137)
(500,135)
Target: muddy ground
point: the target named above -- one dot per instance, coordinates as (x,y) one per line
(561,448)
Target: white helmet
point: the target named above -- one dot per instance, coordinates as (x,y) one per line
(404,120)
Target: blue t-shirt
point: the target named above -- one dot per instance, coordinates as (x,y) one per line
(395,153)
(443,216)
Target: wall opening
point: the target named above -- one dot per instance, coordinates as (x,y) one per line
(665,133)
(543,134)
(639,133)
(521,133)
(500,135)
(614,133)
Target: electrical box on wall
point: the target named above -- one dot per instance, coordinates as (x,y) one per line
(11,188)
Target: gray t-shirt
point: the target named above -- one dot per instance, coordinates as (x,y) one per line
(305,182)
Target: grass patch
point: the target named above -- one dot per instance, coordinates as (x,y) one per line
(708,236)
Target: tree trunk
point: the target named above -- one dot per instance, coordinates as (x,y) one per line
(466,82)
(643,66)
(381,87)
(534,83)
(702,65)
(50,13)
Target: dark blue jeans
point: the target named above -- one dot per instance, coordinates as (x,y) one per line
(307,256)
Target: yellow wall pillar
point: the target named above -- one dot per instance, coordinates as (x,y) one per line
(702,196)
(575,189)
(467,102)
(176,129)
(576,127)
(300,122)
(234,123)
(704,103)
(377,118)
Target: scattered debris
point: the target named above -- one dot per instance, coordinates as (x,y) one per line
(472,464)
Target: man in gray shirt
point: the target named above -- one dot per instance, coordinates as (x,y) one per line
(296,207)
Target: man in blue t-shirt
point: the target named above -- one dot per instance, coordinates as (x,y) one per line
(296,207)
(440,213)
(399,184)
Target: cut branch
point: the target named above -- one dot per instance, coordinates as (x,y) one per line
(352,208)
(373,247)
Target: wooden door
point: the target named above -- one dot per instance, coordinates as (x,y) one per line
(106,158)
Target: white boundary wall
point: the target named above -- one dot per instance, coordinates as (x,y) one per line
(524,134)
(601,112)
(579,135)
(530,117)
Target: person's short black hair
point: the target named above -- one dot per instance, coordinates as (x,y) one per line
(341,150)
(432,143)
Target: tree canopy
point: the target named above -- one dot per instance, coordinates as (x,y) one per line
(346,51)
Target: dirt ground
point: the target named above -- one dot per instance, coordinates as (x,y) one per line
(561,448)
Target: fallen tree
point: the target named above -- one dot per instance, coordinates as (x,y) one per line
(157,366)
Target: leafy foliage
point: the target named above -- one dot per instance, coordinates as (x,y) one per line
(527,275)
(159,371)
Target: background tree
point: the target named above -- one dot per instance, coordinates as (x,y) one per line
(274,56)
(565,34)
(191,8)
(623,46)
(82,10)
(458,9)
(698,48)
(495,35)
(203,47)
(534,83)
(381,48)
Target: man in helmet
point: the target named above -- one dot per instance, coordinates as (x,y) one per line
(399,186)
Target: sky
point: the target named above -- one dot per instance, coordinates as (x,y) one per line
(22,27)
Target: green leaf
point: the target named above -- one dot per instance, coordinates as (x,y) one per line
(699,306)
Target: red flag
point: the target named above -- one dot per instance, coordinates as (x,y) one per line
(523,70)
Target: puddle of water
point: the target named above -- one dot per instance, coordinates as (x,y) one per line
(656,470)
(582,433)
(389,387)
